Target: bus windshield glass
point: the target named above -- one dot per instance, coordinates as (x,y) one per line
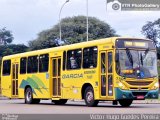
(136,63)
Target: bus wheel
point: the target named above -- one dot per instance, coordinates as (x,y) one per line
(29,96)
(60,102)
(125,103)
(89,97)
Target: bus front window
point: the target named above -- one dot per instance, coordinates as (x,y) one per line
(136,63)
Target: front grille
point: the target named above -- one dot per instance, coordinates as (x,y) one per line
(137,88)
(139,83)
(139,93)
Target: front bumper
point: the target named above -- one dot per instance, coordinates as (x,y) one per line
(134,95)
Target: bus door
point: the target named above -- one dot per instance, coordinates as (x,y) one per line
(56,77)
(106,74)
(15,79)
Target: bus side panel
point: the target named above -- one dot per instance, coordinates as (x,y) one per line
(43,82)
(6,86)
(39,83)
(91,76)
(73,81)
(20,89)
(71,93)
(6,82)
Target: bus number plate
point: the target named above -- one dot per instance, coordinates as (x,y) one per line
(140,97)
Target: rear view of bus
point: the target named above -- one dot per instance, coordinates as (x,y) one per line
(136,71)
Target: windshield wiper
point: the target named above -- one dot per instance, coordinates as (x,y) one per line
(141,58)
(129,56)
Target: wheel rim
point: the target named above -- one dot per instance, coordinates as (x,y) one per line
(29,96)
(89,97)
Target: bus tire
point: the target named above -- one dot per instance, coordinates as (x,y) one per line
(89,97)
(60,102)
(29,96)
(125,103)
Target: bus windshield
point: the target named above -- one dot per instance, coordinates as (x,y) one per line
(136,63)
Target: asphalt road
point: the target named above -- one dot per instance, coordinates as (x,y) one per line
(46,107)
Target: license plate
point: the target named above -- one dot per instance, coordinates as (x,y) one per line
(140,97)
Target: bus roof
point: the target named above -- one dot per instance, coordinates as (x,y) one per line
(66,47)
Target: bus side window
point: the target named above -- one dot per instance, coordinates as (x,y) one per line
(74,59)
(23,65)
(43,63)
(64,60)
(90,57)
(32,65)
(6,67)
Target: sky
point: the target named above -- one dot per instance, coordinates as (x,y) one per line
(26,18)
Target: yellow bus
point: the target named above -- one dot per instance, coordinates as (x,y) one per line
(117,69)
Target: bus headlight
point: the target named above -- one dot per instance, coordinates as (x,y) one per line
(120,84)
(156,85)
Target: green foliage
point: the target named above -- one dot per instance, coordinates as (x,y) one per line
(152,30)
(12,49)
(73,31)
(44,40)
(6,36)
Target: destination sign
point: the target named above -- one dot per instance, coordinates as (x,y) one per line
(135,43)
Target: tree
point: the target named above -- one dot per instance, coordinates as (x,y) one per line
(12,49)
(6,36)
(152,30)
(73,31)
(44,40)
